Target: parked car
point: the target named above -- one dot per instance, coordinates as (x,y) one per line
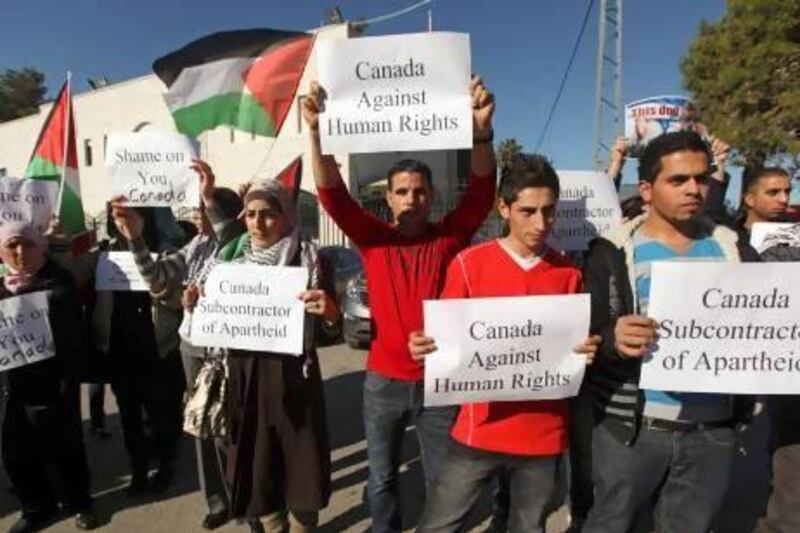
(350,286)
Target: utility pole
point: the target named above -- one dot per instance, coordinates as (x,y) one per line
(609,110)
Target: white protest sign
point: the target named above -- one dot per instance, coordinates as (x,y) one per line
(397,92)
(730,327)
(648,118)
(764,235)
(503,349)
(251,307)
(117,271)
(588,206)
(153,169)
(25,334)
(27,200)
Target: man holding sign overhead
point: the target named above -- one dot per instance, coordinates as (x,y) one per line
(672,448)
(405,263)
(526,437)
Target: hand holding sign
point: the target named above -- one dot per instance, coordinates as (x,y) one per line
(313,105)
(482,109)
(634,335)
(420,345)
(128,221)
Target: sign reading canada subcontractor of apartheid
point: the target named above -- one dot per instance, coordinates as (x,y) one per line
(725,327)
(117,271)
(251,307)
(25,334)
(397,92)
(153,169)
(27,200)
(588,206)
(504,349)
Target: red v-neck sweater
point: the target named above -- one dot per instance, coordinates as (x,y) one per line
(402,272)
(519,428)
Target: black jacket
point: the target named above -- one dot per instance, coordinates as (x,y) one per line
(612,382)
(43,382)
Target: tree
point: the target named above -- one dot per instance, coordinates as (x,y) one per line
(744,74)
(506,150)
(21,93)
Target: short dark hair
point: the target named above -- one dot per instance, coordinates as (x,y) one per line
(228,201)
(664,145)
(752,177)
(410,165)
(525,171)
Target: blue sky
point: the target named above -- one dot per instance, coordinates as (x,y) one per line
(520,47)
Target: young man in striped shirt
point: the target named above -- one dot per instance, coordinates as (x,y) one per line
(672,448)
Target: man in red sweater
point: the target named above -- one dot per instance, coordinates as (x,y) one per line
(524,438)
(405,263)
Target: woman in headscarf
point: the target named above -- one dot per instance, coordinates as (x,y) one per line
(167,277)
(42,432)
(279,455)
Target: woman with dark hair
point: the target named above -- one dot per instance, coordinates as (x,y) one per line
(168,276)
(279,454)
(42,432)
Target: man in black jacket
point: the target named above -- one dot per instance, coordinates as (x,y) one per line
(672,448)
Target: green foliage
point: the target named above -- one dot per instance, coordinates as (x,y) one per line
(744,73)
(21,93)
(506,150)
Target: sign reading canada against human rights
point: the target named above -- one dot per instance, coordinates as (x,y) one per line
(26,200)
(117,271)
(729,328)
(588,206)
(504,349)
(397,92)
(25,334)
(153,169)
(251,307)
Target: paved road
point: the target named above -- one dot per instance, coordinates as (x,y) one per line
(181,509)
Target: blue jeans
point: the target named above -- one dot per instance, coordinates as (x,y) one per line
(465,474)
(684,473)
(389,405)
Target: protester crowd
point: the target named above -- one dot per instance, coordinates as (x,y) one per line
(262,444)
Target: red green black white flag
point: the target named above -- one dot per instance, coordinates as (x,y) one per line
(55,157)
(244,79)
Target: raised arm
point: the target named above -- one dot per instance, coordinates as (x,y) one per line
(617,159)
(362,227)
(478,200)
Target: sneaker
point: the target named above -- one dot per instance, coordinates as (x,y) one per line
(214,520)
(33,522)
(138,483)
(162,479)
(86,520)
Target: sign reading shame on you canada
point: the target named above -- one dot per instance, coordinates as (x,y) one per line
(153,169)
(251,307)
(25,334)
(394,93)
(730,327)
(504,349)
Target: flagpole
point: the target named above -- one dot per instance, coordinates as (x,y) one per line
(67,126)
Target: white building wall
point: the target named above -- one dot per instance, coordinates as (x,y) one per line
(235,156)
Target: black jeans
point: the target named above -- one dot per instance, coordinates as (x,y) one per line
(44,454)
(686,474)
(97,399)
(159,393)
(466,471)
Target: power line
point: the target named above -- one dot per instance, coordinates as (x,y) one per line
(566,75)
(382,18)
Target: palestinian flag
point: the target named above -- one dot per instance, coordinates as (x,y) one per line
(291,176)
(56,153)
(245,79)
